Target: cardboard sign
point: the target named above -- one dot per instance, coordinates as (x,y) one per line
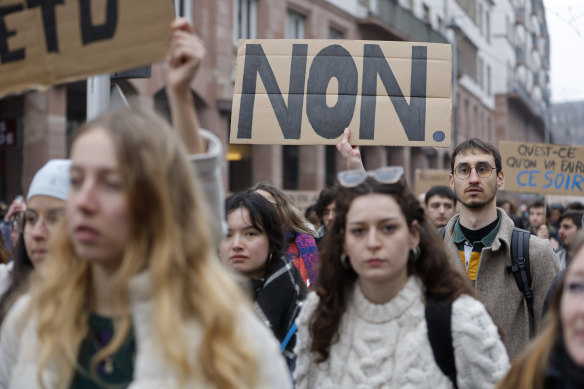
(47,42)
(543,168)
(309,91)
(425,179)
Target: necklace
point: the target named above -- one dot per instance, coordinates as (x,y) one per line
(108,362)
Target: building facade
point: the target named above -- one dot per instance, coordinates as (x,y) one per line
(484,106)
(522,89)
(568,123)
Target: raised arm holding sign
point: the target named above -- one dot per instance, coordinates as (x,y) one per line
(48,42)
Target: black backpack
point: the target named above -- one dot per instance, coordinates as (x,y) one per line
(439,310)
(439,323)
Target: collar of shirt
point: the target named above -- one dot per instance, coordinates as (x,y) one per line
(487,241)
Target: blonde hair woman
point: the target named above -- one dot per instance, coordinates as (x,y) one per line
(555,359)
(133,294)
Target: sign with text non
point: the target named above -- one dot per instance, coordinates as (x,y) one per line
(47,42)
(543,168)
(309,91)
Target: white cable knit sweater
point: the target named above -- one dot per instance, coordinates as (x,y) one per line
(386,346)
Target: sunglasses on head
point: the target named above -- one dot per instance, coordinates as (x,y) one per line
(383,175)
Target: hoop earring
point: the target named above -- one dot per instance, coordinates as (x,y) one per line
(415,253)
(344,261)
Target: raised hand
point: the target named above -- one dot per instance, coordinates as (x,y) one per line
(184,56)
(350,154)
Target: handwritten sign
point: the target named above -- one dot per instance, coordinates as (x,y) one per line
(47,42)
(427,178)
(543,168)
(309,91)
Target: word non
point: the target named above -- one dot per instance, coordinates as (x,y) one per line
(334,61)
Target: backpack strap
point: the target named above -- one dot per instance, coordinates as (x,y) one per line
(442,231)
(439,323)
(289,335)
(520,265)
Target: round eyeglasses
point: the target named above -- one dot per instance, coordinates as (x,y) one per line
(463,171)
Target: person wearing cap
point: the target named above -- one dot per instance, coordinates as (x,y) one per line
(45,206)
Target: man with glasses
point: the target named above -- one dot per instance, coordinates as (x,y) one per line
(479,241)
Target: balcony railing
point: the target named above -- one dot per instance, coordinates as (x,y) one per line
(519,55)
(407,23)
(519,15)
(538,109)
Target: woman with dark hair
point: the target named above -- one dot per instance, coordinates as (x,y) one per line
(555,359)
(301,248)
(381,265)
(254,247)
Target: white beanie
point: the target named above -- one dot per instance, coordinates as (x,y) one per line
(51,180)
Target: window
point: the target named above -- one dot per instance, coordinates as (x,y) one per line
(469,6)
(488,80)
(295,25)
(331,165)
(480,17)
(239,158)
(509,75)
(488,26)
(244,19)
(335,34)
(468,57)
(290,173)
(426,11)
(480,72)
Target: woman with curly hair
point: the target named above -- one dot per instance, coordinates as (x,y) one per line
(132,293)
(382,266)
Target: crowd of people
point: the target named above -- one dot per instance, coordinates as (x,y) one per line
(125,266)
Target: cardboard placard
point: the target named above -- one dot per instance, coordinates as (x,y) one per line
(543,168)
(52,42)
(309,91)
(427,178)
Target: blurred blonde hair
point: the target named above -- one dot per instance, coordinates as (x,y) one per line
(527,371)
(169,237)
(291,216)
